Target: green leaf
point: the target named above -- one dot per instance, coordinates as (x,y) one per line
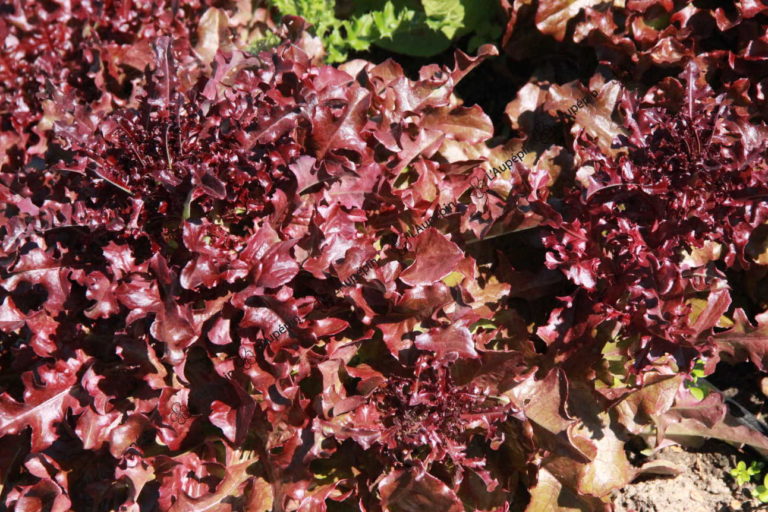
(384,20)
(698,370)
(361,31)
(447,16)
(762,492)
(697,393)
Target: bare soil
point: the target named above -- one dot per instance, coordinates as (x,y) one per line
(704,485)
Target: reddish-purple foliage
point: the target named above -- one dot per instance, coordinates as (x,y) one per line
(96,50)
(168,238)
(640,233)
(169,202)
(641,38)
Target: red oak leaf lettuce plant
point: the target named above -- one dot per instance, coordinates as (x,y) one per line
(652,225)
(644,233)
(174,232)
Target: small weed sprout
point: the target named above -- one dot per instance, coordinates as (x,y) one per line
(744,474)
(698,391)
(761,492)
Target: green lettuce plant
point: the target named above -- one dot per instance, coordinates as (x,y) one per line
(420,28)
